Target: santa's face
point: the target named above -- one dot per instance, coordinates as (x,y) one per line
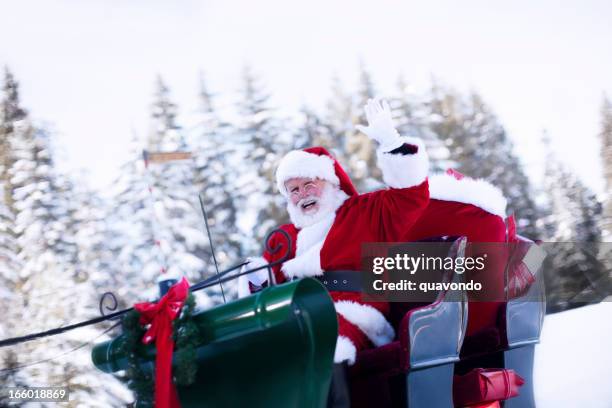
(312,200)
(305,193)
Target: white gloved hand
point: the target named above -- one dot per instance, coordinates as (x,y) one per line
(259,277)
(380,125)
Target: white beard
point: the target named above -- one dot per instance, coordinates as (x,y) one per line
(331,199)
(313,231)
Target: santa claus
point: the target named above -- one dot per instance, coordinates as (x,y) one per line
(330,221)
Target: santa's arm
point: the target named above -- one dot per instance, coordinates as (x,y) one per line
(403,161)
(404,164)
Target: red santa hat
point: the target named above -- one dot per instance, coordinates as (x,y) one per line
(313,162)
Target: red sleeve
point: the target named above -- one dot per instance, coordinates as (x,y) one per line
(394,211)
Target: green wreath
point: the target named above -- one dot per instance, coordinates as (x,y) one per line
(186,339)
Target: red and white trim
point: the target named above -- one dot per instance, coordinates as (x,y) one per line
(345,351)
(404,171)
(369,320)
(298,163)
(306,264)
(478,192)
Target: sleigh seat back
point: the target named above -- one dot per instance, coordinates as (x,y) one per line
(415,370)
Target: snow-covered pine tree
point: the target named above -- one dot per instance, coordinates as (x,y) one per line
(413,116)
(54,291)
(262,141)
(573,275)
(9,262)
(480,146)
(10,112)
(93,214)
(310,130)
(411,112)
(138,261)
(360,151)
(213,152)
(10,301)
(177,220)
(605,136)
(338,119)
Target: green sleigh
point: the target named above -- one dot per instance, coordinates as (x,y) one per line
(274,348)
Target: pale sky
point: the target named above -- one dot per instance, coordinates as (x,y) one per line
(88,67)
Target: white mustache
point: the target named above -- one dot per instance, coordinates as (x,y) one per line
(307,200)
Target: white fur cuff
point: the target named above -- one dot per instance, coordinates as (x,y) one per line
(369,320)
(307,264)
(480,193)
(404,171)
(345,351)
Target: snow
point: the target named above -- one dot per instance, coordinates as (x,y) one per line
(573,362)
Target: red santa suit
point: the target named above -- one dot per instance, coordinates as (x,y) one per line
(462,206)
(334,243)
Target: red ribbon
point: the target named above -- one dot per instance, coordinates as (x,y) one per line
(160,316)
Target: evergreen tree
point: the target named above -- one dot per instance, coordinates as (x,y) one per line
(174,195)
(164,134)
(310,130)
(339,120)
(96,260)
(262,141)
(213,153)
(412,113)
(605,136)
(54,290)
(10,113)
(481,148)
(10,301)
(605,251)
(138,261)
(573,274)
(9,262)
(360,151)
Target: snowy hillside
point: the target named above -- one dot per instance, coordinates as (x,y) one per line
(573,363)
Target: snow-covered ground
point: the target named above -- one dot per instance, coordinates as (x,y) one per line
(573,362)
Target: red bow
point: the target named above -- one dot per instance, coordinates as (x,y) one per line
(160,315)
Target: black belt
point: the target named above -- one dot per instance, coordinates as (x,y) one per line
(341,281)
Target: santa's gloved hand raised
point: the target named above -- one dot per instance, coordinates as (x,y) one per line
(380,125)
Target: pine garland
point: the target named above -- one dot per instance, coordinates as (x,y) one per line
(186,338)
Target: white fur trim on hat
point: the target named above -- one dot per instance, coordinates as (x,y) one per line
(479,192)
(298,163)
(345,351)
(404,170)
(369,320)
